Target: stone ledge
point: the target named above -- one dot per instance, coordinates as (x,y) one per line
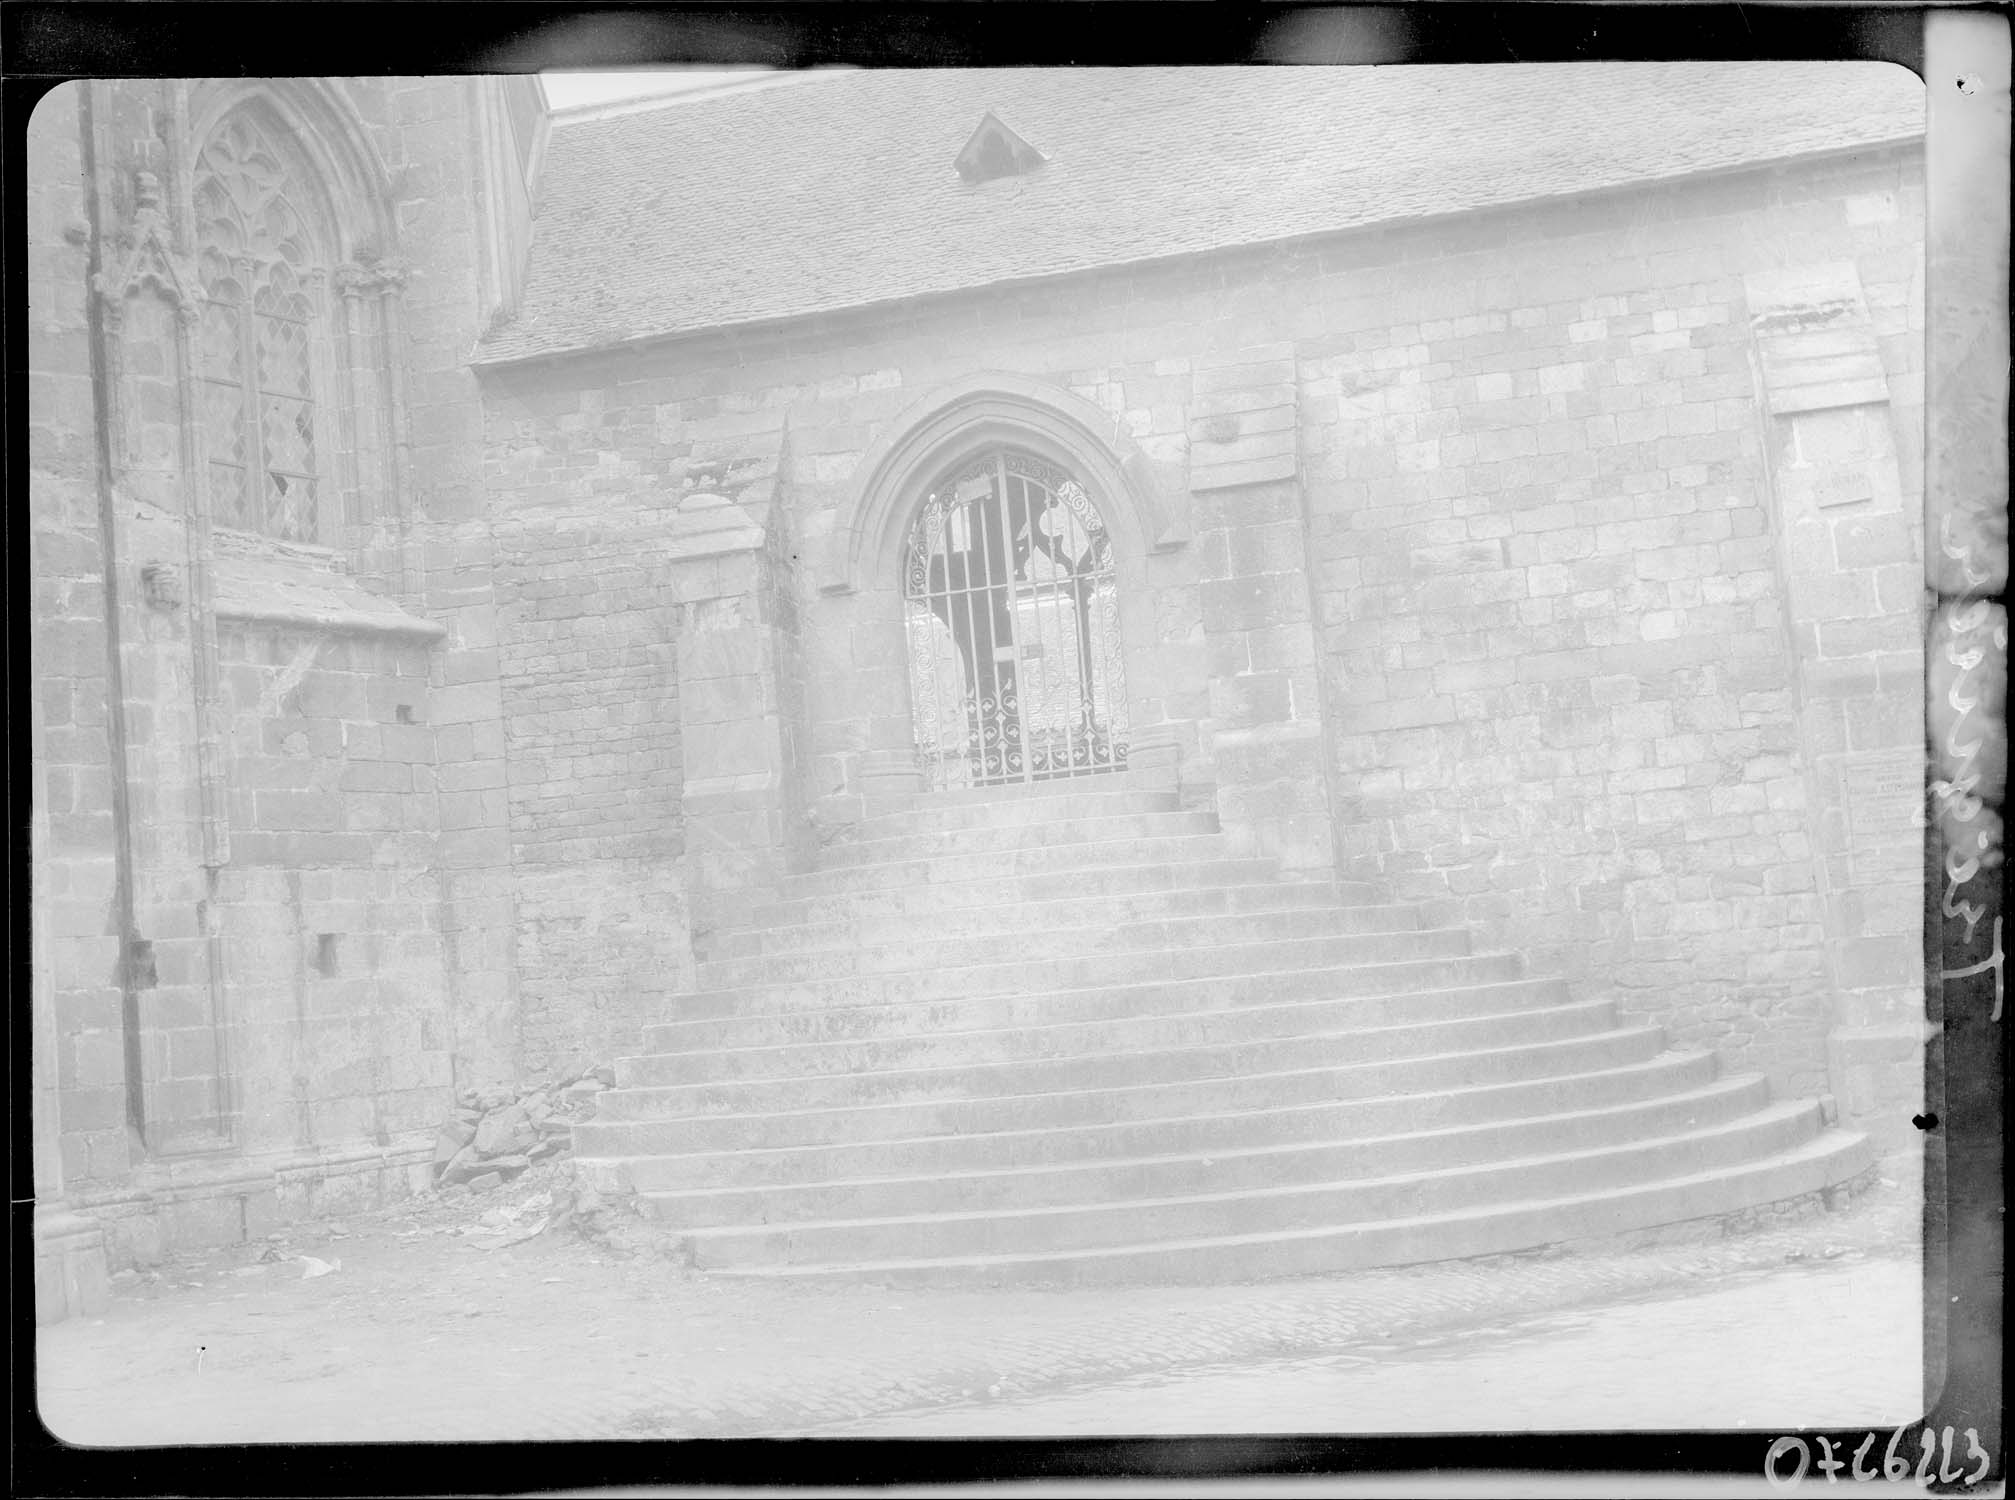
(1208,476)
(293,591)
(334,622)
(72,1272)
(166,1181)
(709,525)
(1778,1213)
(167,1207)
(1285,731)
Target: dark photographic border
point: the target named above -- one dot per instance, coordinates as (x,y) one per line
(1963,56)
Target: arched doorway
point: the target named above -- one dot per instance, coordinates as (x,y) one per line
(1011,608)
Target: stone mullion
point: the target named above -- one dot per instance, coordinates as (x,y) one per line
(201,555)
(360,510)
(248,413)
(395,439)
(391,318)
(324,413)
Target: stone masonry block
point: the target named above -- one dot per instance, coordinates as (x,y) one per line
(1251,699)
(1246,505)
(1253,603)
(1245,471)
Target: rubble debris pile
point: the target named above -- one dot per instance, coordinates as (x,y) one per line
(496,1135)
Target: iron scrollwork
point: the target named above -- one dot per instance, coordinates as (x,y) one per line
(1011,607)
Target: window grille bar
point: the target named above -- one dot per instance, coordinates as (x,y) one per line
(1000,577)
(1013,631)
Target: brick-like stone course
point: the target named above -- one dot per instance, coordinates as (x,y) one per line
(590,784)
(1563,657)
(329,911)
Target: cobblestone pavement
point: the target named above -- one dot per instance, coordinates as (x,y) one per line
(1835,1344)
(418,1334)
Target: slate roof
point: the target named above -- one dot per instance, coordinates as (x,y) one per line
(839,191)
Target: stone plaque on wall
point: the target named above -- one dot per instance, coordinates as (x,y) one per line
(1883,793)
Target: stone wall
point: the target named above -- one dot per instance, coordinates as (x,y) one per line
(617,431)
(1572,649)
(428,132)
(1839,346)
(266,951)
(340,1030)
(588,657)
(1558,567)
(1528,498)
(80,1070)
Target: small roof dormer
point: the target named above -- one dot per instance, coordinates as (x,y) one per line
(993,151)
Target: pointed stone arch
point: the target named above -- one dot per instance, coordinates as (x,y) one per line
(353,192)
(994,407)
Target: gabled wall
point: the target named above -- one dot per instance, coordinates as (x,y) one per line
(1529,583)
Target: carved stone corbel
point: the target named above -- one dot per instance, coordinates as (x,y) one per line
(356,277)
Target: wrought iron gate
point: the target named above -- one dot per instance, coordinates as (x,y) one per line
(1012,611)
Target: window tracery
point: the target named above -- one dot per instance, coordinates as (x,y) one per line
(258,329)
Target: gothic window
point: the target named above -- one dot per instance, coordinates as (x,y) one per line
(259,328)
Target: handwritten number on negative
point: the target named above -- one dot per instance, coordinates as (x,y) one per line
(1790,1458)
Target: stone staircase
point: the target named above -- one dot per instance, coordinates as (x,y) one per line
(1063,1035)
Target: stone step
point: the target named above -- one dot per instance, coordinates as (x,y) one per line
(1181,1173)
(1046,807)
(1101,784)
(1068,1032)
(1157,851)
(1579,1211)
(1125,1045)
(981,1064)
(1154,998)
(1201,1010)
(942,1155)
(1138,972)
(1033,1230)
(1155,896)
(978,935)
(931,844)
(1095,871)
(1050,960)
(718,1118)
(1182,851)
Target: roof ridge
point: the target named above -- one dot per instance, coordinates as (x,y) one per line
(587,114)
(760,204)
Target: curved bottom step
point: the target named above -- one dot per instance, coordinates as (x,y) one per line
(1828,1160)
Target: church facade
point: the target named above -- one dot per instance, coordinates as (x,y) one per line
(478,557)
